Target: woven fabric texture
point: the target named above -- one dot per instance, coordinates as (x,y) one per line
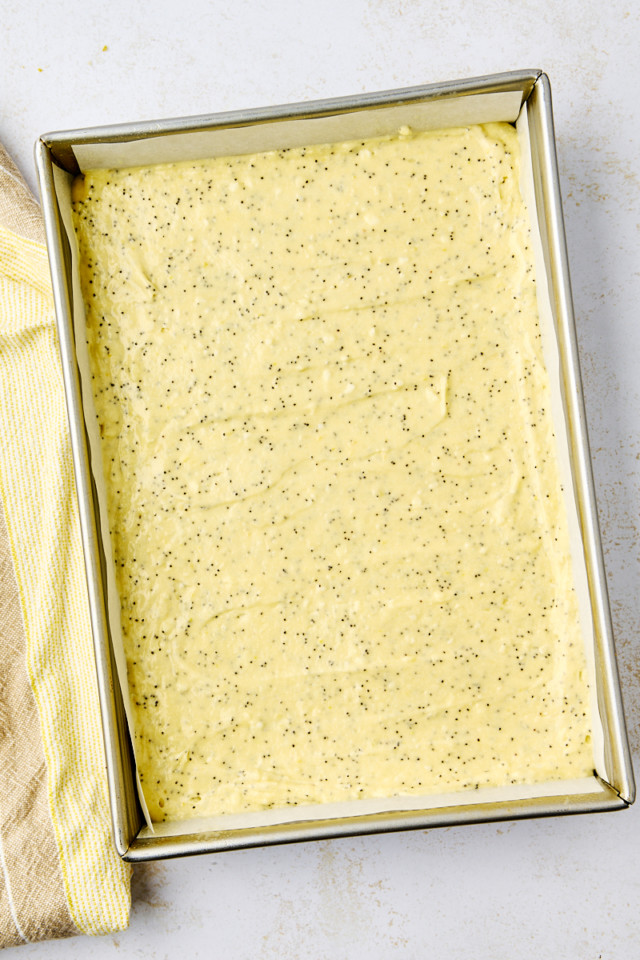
(59,871)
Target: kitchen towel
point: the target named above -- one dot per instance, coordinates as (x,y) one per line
(59,871)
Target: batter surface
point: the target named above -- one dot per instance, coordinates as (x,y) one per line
(338,530)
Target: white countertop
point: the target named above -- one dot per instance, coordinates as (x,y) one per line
(561,888)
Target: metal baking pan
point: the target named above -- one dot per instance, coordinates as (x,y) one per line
(59,156)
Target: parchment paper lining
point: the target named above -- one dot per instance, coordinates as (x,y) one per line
(277,135)
(353,808)
(63,181)
(481,108)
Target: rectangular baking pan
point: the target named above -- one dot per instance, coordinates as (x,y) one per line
(64,154)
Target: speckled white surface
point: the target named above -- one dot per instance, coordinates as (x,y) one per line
(564,888)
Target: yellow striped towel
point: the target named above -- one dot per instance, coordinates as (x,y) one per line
(59,871)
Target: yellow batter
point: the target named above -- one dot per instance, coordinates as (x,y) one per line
(340,542)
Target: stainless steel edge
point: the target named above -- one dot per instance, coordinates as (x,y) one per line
(126,814)
(60,143)
(126,821)
(160,848)
(609,692)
